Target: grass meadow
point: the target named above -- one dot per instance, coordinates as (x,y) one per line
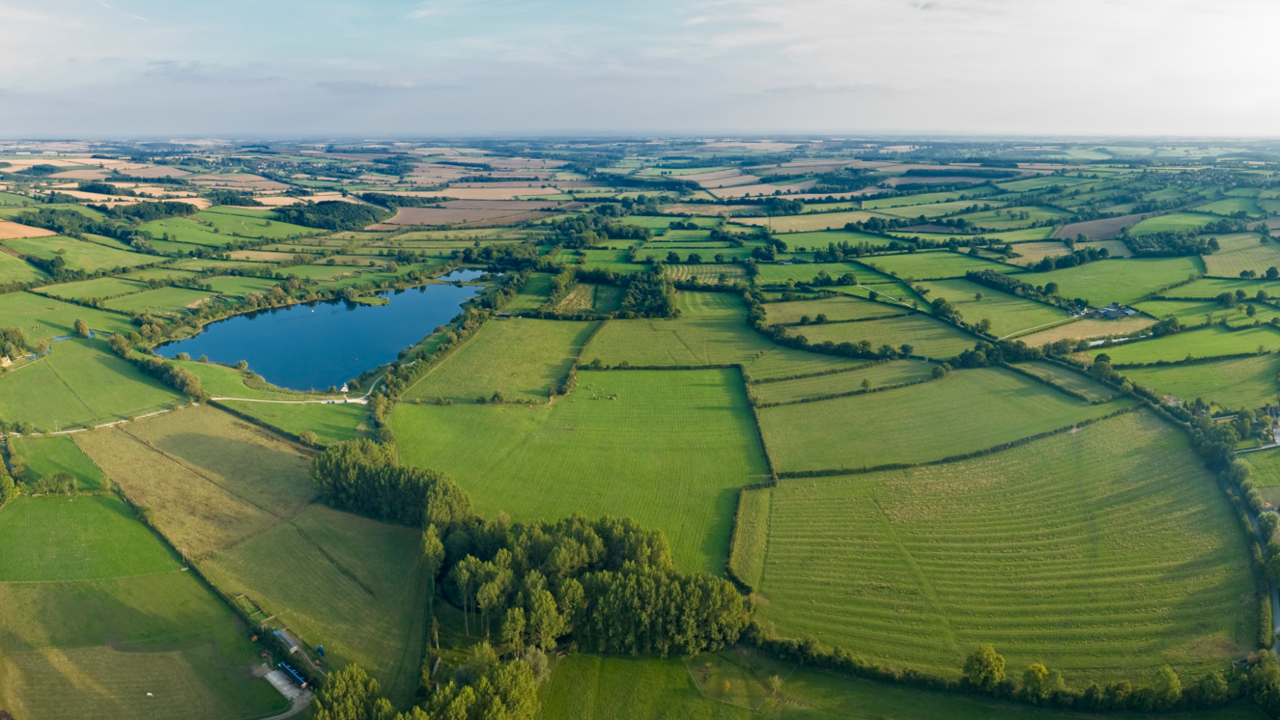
(1195,312)
(81,254)
(1173,222)
(1009,314)
(928,337)
(98,613)
(1206,342)
(106,287)
(967,411)
(1120,280)
(1248,382)
(210,479)
(532,296)
(805,272)
(351,584)
(164,301)
(1245,254)
(57,454)
(330,422)
(80,382)
(878,375)
(670,451)
(1069,379)
(16,270)
(836,309)
(711,330)
(45,318)
(934,265)
(1102,553)
(521,358)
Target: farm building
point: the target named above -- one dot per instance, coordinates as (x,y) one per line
(287,641)
(1114,311)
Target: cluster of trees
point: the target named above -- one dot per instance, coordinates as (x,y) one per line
(960,171)
(103,188)
(1078,257)
(333,215)
(1169,243)
(148,211)
(589,229)
(843,181)
(398,201)
(232,197)
(484,689)
(363,477)
(647,295)
(178,378)
(843,250)
(757,316)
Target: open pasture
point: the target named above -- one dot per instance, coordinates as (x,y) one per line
(1086,328)
(1213,287)
(1118,280)
(57,454)
(331,422)
(805,272)
(835,309)
(819,239)
(98,613)
(211,479)
(106,287)
(162,301)
(1012,218)
(1195,312)
(1009,314)
(1232,205)
(80,254)
(711,330)
(534,294)
(16,270)
(240,286)
(46,318)
(928,210)
(808,222)
(877,375)
(1069,379)
(1248,382)
(1206,342)
(1173,222)
(80,382)
(934,265)
(523,359)
(351,584)
(668,448)
(1240,253)
(1103,553)
(967,411)
(927,337)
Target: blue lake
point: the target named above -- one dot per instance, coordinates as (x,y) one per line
(316,345)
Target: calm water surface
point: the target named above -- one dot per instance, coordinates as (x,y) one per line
(327,343)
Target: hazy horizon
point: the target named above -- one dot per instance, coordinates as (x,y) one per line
(974,68)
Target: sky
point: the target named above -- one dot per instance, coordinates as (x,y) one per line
(450,68)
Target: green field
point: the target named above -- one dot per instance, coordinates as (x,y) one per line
(670,451)
(330,422)
(711,330)
(934,265)
(967,411)
(106,287)
(348,583)
(1172,222)
(17,270)
(836,309)
(524,359)
(804,272)
(878,375)
(927,337)
(241,286)
(53,455)
(222,382)
(590,687)
(1192,312)
(1208,342)
(1244,382)
(1009,314)
(216,227)
(533,295)
(160,273)
(1104,553)
(81,254)
(1265,466)
(99,614)
(1069,379)
(1123,281)
(80,382)
(1213,287)
(211,479)
(1246,253)
(1231,206)
(168,300)
(44,318)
